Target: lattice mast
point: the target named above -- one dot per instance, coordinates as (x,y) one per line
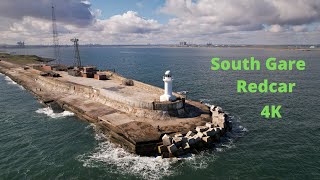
(77,60)
(56,45)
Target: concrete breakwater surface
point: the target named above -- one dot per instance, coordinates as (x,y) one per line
(130,115)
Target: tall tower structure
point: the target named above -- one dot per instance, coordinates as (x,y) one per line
(77,60)
(167,96)
(56,45)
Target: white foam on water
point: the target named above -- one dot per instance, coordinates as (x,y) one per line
(243,129)
(12,82)
(9,80)
(205,100)
(116,160)
(128,52)
(49,112)
(91,126)
(112,155)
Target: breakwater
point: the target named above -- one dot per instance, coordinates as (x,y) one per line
(130,115)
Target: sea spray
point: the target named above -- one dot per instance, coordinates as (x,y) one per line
(9,80)
(49,112)
(12,82)
(111,155)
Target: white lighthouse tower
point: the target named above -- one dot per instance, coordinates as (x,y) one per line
(167,79)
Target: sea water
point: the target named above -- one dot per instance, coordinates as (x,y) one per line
(36,143)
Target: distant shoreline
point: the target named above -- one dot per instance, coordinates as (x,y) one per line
(268,47)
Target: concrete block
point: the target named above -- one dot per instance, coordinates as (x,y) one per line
(166,140)
(185,146)
(196,138)
(215,113)
(212,108)
(172,148)
(216,137)
(229,125)
(177,141)
(200,134)
(191,141)
(219,109)
(221,130)
(207,139)
(201,128)
(100,76)
(210,132)
(217,129)
(218,121)
(189,134)
(184,139)
(165,155)
(162,149)
(221,116)
(209,125)
(226,115)
(180,152)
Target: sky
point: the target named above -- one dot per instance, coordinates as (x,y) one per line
(161,21)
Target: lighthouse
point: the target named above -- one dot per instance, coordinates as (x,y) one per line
(167,79)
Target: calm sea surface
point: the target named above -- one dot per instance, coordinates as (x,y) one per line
(35,143)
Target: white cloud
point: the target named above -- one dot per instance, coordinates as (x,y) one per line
(276,28)
(300,28)
(125,28)
(74,12)
(197,21)
(209,19)
(242,15)
(31,26)
(96,13)
(129,22)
